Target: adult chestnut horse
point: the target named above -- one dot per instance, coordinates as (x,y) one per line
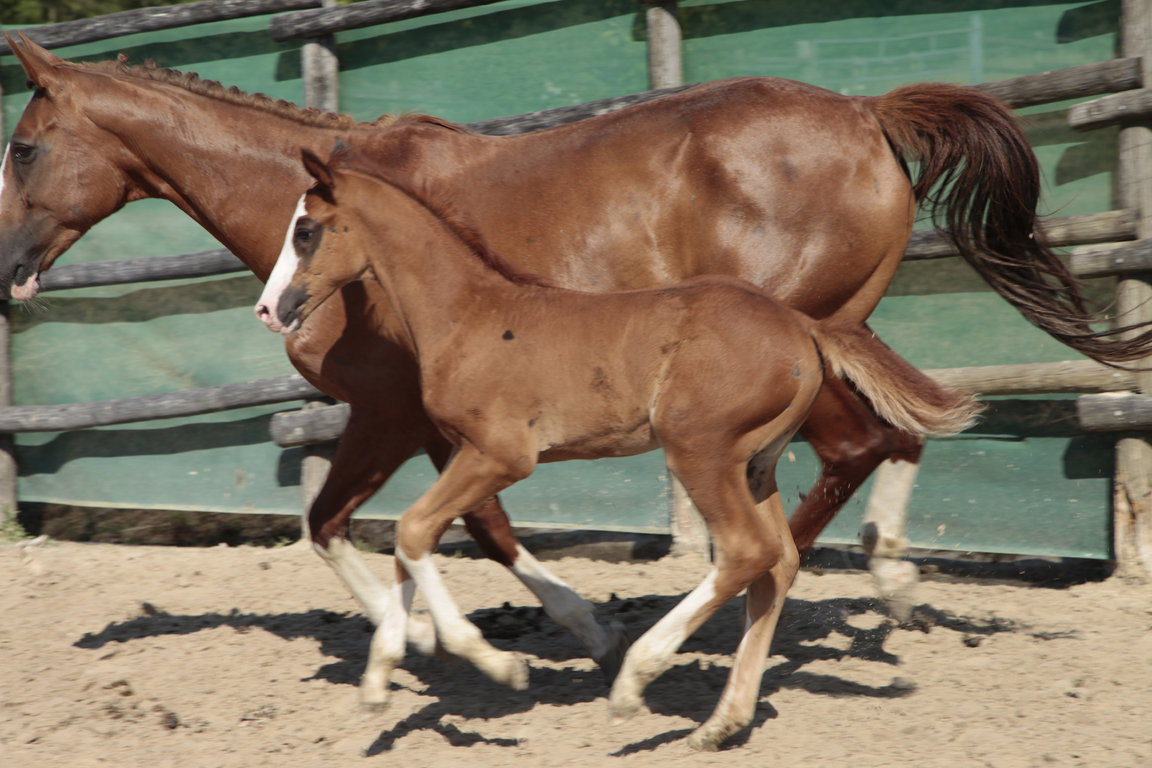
(797,189)
(515,372)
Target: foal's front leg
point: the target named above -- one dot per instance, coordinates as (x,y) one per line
(468,479)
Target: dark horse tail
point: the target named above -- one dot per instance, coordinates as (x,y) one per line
(977,167)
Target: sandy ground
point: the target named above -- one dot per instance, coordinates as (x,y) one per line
(245,656)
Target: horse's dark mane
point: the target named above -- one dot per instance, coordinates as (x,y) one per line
(444,212)
(193,83)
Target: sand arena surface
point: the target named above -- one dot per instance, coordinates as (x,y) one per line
(245,656)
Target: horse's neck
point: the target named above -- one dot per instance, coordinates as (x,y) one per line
(437,283)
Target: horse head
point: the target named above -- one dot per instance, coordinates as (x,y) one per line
(59,175)
(311,266)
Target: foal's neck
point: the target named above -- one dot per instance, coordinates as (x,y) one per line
(438,277)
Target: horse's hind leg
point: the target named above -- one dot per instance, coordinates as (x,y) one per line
(763,604)
(851,442)
(746,548)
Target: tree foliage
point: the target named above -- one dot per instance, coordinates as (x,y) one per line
(53,11)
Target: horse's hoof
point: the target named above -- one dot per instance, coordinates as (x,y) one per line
(702,743)
(373,707)
(612,659)
(624,706)
(506,668)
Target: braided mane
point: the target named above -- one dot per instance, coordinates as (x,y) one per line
(193,83)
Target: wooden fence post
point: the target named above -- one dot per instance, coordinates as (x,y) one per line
(689,533)
(665,63)
(321,70)
(1132,506)
(8,471)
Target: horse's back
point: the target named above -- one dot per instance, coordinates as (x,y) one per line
(785,184)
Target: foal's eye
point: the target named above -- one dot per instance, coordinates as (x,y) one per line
(22,153)
(303,235)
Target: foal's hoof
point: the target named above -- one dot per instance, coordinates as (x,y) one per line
(611,660)
(374,701)
(506,668)
(709,736)
(624,706)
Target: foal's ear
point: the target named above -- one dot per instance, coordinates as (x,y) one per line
(319,171)
(39,63)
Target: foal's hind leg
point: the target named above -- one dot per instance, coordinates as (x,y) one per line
(746,548)
(763,605)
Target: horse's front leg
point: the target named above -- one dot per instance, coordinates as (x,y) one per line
(470,478)
(488,525)
(373,447)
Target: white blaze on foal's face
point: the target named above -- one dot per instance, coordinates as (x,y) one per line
(281,278)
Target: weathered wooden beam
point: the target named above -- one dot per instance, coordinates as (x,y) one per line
(1069,83)
(308,427)
(1106,227)
(1115,412)
(1069,376)
(368,13)
(1107,259)
(151,19)
(1125,107)
(142,270)
(193,402)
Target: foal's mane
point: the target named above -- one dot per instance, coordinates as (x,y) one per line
(193,83)
(444,211)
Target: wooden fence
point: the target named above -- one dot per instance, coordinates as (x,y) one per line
(1115,243)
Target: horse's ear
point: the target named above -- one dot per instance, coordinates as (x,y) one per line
(319,171)
(39,63)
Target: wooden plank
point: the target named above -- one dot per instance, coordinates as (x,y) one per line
(1108,259)
(1114,411)
(1104,227)
(308,427)
(152,19)
(1109,110)
(193,402)
(141,270)
(1070,83)
(1070,376)
(368,13)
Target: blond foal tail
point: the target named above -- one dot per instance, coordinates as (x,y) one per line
(899,393)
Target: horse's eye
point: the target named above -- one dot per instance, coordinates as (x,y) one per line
(22,153)
(303,235)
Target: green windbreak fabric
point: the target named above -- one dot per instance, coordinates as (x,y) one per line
(1041,488)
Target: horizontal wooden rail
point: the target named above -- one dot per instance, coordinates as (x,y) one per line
(293,26)
(193,402)
(1069,376)
(1115,412)
(1111,259)
(322,425)
(1107,227)
(1070,83)
(1109,110)
(310,426)
(151,19)
(141,270)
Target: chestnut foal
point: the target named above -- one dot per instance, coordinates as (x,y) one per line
(514,372)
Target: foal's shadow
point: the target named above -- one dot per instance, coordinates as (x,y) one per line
(809,631)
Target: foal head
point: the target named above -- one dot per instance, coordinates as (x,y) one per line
(313,263)
(60,175)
